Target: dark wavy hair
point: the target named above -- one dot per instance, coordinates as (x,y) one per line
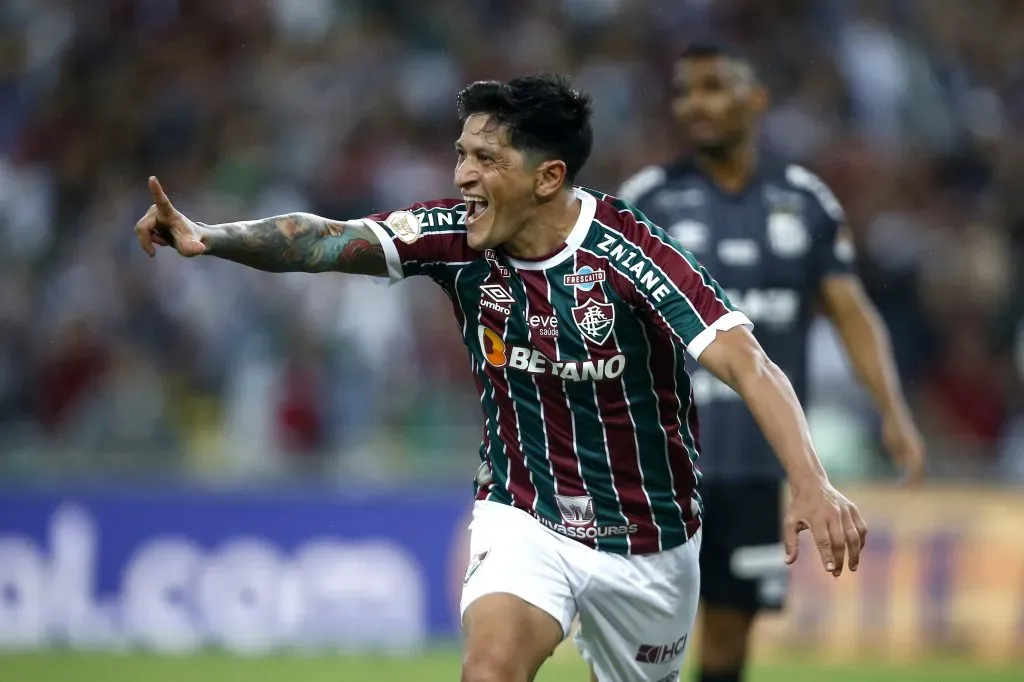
(544,116)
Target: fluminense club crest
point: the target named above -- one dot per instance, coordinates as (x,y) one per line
(595,320)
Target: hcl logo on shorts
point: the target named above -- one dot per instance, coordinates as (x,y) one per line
(656,654)
(532,361)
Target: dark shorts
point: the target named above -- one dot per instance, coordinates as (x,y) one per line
(742,559)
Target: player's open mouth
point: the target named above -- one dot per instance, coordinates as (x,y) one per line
(475,207)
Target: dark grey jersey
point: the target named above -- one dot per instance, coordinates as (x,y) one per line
(770,246)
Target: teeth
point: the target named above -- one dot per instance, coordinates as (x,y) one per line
(475,205)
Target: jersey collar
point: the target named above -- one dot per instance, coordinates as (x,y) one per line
(574,241)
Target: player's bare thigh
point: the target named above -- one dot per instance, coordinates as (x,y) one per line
(506,639)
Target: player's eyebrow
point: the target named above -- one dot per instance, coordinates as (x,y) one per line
(477,148)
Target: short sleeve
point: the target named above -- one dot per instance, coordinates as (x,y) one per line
(423,239)
(832,247)
(685,301)
(832,250)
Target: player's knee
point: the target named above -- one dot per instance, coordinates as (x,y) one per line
(492,664)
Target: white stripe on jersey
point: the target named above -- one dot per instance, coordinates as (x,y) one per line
(636,437)
(540,402)
(657,401)
(604,430)
(568,403)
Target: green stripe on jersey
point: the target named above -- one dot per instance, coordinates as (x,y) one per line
(525,396)
(591,445)
(651,438)
(665,237)
(470,306)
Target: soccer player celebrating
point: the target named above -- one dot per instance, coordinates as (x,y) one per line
(775,236)
(577,313)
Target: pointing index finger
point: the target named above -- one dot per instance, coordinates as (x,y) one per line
(159,197)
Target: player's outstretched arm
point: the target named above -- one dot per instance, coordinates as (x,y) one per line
(738,360)
(297,242)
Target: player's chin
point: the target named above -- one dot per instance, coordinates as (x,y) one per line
(479,235)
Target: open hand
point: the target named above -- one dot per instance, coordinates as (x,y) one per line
(163,225)
(837,526)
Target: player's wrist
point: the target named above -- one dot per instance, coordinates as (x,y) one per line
(812,479)
(896,412)
(207,236)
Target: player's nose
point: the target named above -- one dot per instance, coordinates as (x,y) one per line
(465,175)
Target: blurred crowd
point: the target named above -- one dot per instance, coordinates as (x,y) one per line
(912,110)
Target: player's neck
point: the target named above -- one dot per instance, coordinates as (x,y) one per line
(732,169)
(547,229)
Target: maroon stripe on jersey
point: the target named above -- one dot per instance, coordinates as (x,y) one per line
(443,244)
(663,370)
(620,433)
(672,262)
(422,205)
(631,292)
(520,485)
(460,319)
(558,424)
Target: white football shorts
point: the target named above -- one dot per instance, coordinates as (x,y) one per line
(636,613)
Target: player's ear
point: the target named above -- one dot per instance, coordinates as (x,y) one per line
(759,99)
(549,177)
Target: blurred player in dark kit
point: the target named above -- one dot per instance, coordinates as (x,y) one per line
(775,236)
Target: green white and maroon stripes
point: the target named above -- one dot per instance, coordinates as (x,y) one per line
(576,408)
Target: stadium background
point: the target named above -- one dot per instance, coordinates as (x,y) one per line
(198,459)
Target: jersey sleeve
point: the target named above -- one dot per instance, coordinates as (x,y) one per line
(832,248)
(683,298)
(423,239)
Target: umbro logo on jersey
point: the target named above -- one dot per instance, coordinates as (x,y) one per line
(584,278)
(595,320)
(495,297)
(496,293)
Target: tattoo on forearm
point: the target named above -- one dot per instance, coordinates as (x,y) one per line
(299,242)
